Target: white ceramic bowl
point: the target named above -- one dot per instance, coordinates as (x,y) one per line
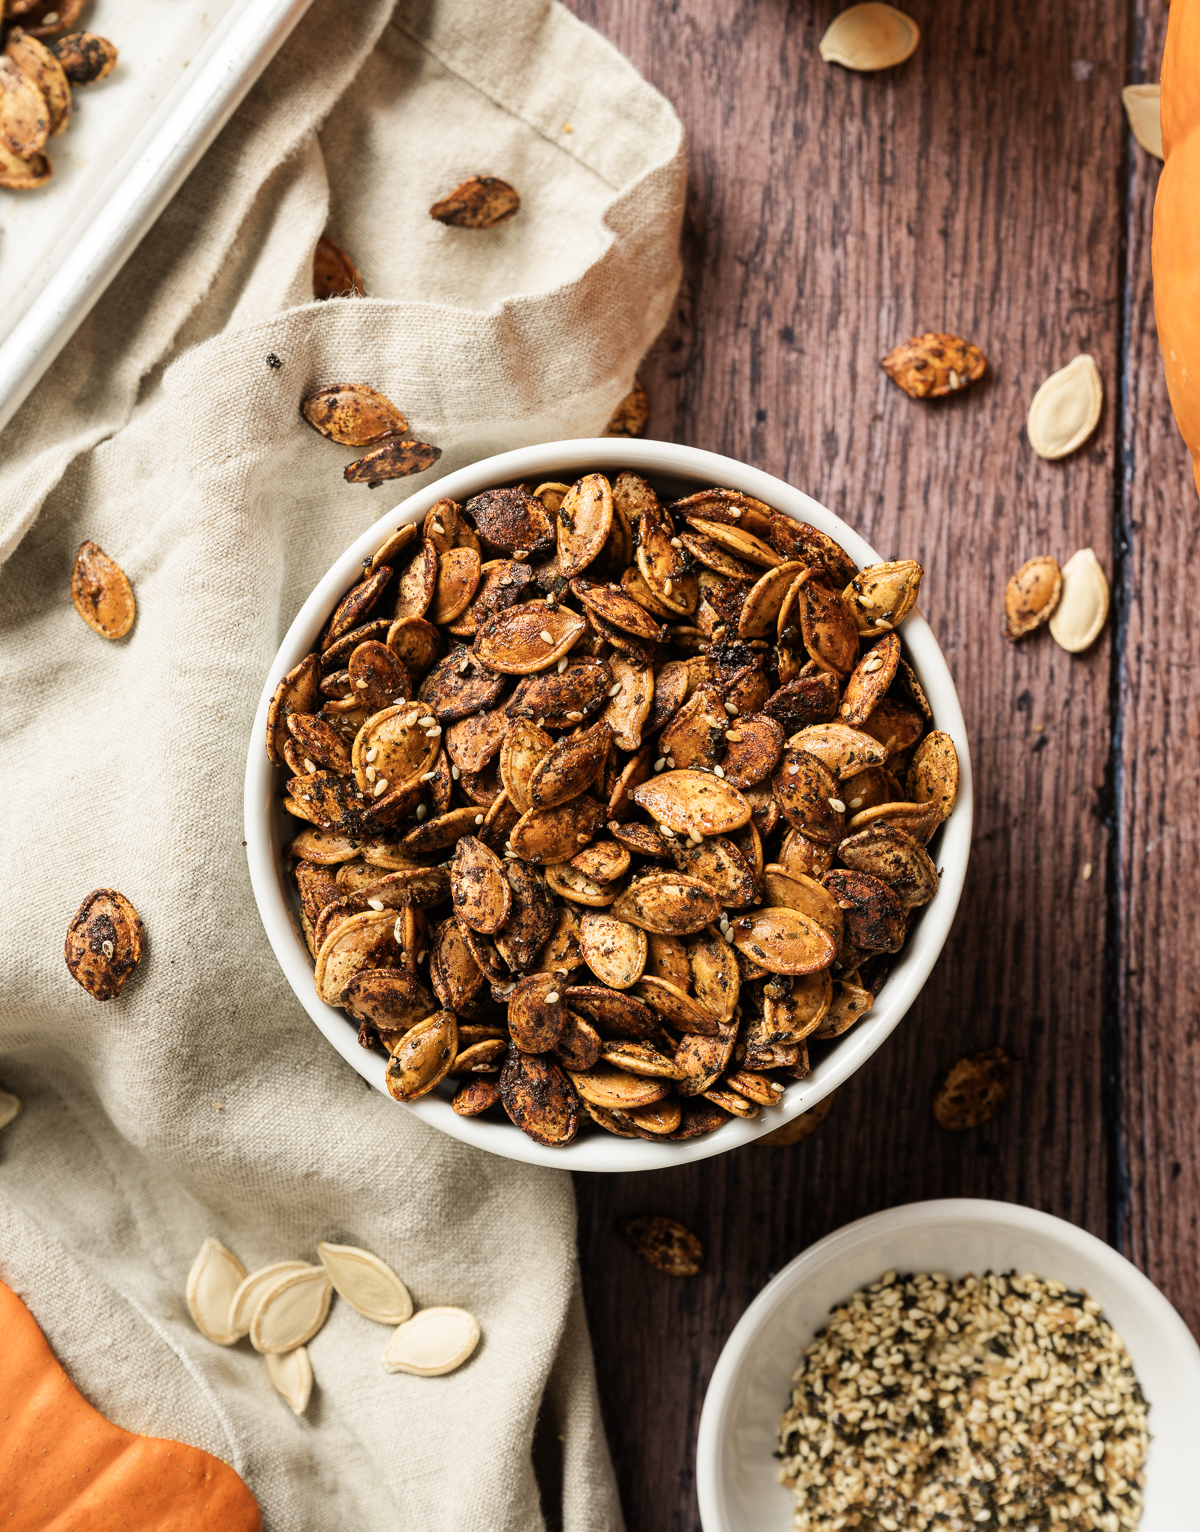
(736,1473)
(268,828)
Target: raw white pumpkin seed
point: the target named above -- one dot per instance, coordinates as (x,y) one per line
(1141,107)
(215,1276)
(869,37)
(252,1291)
(291,1373)
(368,1285)
(1066,409)
(433,1342)
(10,1105)
(292,1311)
(1083,606)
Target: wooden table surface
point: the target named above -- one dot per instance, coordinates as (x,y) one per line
(988,187)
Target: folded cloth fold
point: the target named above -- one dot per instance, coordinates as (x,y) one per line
(201,1100)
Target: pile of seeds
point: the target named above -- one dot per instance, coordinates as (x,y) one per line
(667,767)
(281,1307)
(36,77)
(994,1401)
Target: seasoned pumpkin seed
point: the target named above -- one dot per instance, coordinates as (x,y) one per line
(104,943)
(933,365)
(664,1244)
(613,949)
(353,414)
(537,1096)
(102,593)
(882,595)
(1031,596)
(478,886)
(933,772)
(480,202)
(423,1057)
(973,1090)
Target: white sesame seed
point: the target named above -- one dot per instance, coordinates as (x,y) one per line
(422,955)
(462,665)
(552,997)
(668,586)
(372,752)
(562,664)
(675,543)
(371,773)
(434,732)
(427,720)
(583,838)
(545,637)
(361,683)
(398,929)
(375,904)
(881,622)
(421,811)
(1087,871)
(107,948)
(439,528)
(873,663)
(666,830)
(541,723)
(455,773)
(381,786)
(718,771)
(660,763)
(428,776)
(575,716)
(614,689)
(731,709)
(856,803)
(727,933)
(733,735)
(479,819)
(793,768)
(309,766)
(837,805)
(397,701)
(671,762)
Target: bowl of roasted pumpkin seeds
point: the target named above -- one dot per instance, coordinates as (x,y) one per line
(609,803)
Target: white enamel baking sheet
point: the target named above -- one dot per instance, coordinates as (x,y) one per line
(184,65)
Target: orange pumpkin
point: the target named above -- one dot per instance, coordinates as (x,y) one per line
(1176,246)
(62,1464)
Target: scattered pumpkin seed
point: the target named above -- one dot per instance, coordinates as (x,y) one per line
(1066,409)
(973,1090)
(368,1284)
(869,37)
(1082,609)
(291,1310)
(215,1277)
(1031,596)
(292,1376)
(664,1244)
(433,1342)
(1141,103)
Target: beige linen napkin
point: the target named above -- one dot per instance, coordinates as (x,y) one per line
(202,1100)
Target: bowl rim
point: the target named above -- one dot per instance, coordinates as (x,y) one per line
(262,815)
(935,1214)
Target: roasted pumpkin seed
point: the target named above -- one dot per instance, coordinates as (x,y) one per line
(973,1090)
(423,1057)
(882,595)
(480,891)
(84,56)
(632,415)
(538,1097)
(933,772)
(933,365)
(480,202)
(334,273)
(664,1244)
(392,460)
(870,36)
(613,949)
(104,943)
(353,414)
(1031,596)
(101,593)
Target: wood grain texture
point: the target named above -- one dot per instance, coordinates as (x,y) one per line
(1157,926)
(982,188)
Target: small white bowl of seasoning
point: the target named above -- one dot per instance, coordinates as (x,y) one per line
(737,1477)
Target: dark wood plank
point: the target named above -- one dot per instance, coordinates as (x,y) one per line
(1157,980)
(977,189)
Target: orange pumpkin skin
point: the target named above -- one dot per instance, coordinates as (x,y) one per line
(63,1465)
(1176,243)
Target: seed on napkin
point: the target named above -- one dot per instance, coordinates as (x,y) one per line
(104,943)
(291,1373)
(479,203)
(632,415)
(433,1342)
(334,273)
(101,592)
(368,1285)
(212,1284)
(10,1105)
